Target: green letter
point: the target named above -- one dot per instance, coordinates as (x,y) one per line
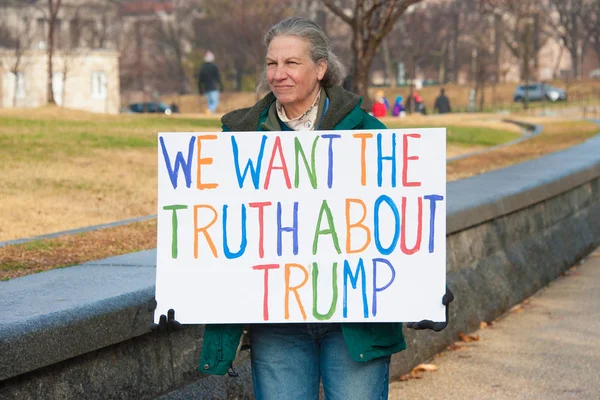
(312,171)
(331,231)
(315,277)
(174,208)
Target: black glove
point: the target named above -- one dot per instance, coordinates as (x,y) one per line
(166,323)
(436,326)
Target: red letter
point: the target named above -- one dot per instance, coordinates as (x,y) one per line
(283,167)
(266,268)
(405,159)
(204,161)
(261,214)
(419,228)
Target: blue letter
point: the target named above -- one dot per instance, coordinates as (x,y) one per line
(330,170)
(293,229)
(226,250)
(255,172)
(394,209)
(375,288)
(186,166)
(354,281)
(380,159)
(432,198)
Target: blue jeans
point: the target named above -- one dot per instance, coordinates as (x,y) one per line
(288,361)
(212,98)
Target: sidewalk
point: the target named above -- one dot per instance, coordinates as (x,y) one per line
(547,348)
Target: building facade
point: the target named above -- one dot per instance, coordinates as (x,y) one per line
(85,62)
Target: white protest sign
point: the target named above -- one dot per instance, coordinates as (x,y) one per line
(325,226)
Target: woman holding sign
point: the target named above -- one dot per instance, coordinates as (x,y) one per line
(289,360)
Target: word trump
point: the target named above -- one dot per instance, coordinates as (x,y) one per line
(276,207)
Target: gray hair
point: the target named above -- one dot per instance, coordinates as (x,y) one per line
(320,49)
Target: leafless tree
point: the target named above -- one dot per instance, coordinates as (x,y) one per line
(371,21)
(592,24)
(570,30)
(16,38)
(234,31)
(53,8)
(523,34)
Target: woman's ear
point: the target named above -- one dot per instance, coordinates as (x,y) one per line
(321,69)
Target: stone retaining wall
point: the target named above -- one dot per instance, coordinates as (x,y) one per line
(81,332)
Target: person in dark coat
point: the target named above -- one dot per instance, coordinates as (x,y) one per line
(442,104)
(208,79)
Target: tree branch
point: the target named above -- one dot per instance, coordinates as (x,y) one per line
(330,4)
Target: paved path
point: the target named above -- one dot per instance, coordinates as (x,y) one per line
(548,348)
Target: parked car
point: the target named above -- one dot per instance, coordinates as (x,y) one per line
(153,107)
(539,92)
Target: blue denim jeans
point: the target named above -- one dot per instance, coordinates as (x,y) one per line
(289,360)
(212,98)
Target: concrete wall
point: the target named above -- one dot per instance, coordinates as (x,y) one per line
(82,332)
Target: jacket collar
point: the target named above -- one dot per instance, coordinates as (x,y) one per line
(340,108)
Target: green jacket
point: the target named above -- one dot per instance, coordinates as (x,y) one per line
(365,341)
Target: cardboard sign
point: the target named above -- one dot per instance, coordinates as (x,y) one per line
(325,226)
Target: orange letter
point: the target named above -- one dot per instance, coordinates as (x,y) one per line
(204,161)
(358,224)
(363,157)
(294,289)
(204,230)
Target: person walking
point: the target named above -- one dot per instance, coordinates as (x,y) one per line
(442,103)
(209,82)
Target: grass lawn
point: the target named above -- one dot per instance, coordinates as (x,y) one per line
(62,170)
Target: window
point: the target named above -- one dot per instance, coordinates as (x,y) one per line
(20,85)
(99,85)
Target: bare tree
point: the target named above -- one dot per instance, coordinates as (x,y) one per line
(591,22)
(569,28)
(371,21)
(172,39)
(234,30)
(53,8)
(16,38)
(522,35)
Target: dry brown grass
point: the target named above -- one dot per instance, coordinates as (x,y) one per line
(557,135)
(43,255)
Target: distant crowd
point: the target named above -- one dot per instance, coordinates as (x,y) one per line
(413,104)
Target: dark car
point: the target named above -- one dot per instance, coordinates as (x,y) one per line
(153,107)
(539,92)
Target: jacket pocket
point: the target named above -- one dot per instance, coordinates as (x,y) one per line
(385,334)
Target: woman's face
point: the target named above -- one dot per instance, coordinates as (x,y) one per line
(292,75)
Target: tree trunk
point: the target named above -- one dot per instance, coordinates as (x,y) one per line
(388,63)
(52,11)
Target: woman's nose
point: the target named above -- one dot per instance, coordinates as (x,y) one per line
(279,74)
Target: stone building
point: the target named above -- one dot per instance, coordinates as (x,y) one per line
(85,70)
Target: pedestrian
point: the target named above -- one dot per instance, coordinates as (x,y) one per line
(398,109)
(380,106)
(209,82)
(419,104)
(442,103)
(289,360)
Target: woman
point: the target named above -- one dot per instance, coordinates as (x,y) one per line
(288,360)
